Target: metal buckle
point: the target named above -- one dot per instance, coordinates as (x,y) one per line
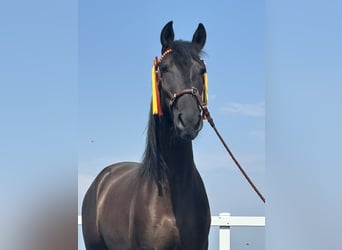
(194,91)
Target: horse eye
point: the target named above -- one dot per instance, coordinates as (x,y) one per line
(164,68)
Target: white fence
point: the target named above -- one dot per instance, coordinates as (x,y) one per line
(224,221)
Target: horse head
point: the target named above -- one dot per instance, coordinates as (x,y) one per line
(180,76)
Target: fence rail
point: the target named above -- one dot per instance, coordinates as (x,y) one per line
(224,221)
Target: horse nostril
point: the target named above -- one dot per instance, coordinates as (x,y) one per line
(198,125)
(181,122)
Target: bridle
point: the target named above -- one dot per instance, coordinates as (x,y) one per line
(192,91)
(201,100)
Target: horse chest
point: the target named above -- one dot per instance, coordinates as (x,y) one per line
(171,232)
(166,233)
(169,225)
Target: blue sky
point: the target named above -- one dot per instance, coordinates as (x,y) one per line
(303,124)
(75,95)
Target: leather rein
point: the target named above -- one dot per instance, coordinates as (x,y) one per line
(206,115)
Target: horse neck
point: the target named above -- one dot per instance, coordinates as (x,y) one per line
(167,158)
(178,156)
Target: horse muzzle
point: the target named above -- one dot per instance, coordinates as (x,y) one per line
(187,124)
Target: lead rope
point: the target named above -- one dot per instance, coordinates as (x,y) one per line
(207,116)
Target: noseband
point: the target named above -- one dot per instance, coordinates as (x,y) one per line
(192,91)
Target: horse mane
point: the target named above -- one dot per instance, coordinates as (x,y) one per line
(153,164)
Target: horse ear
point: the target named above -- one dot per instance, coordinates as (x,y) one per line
(199,36)
(167,36)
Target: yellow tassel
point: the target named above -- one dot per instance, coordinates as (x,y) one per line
(156,109)
(205,89)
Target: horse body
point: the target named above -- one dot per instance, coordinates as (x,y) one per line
(175,217)
(160,203)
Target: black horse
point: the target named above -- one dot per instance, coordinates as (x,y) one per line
(160,203)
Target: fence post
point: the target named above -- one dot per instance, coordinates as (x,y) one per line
(224,234)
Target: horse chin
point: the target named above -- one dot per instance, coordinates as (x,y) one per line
(187,134)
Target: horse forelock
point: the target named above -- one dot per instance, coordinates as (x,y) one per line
(183,52)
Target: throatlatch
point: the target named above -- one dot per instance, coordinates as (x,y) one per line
(156,106)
